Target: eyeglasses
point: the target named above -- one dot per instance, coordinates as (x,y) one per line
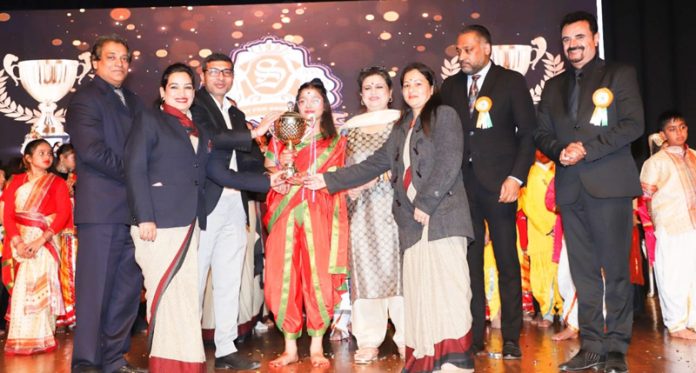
(216,72)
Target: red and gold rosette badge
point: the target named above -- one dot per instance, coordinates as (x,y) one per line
(483,105)
(602,99)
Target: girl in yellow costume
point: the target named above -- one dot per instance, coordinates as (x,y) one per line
(306,250)
(540,224)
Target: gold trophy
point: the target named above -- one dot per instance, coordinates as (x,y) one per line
(289,128)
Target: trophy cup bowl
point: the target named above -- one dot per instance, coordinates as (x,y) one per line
(289,128)
(47,81)
(518,57)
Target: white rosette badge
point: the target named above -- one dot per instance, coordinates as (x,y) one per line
(483,106)
(602,98)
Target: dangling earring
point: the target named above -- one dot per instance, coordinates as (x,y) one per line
(362,103)
(390,99)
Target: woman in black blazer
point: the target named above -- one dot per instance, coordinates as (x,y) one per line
(166,158)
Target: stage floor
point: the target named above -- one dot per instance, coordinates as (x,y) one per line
(652,350)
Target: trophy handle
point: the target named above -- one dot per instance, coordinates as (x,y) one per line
(86,65)
(540,49)
(9,67)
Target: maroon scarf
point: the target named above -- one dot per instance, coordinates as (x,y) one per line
(183,119)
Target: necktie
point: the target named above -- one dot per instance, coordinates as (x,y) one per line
(119,93)
(575,95)
(473,93)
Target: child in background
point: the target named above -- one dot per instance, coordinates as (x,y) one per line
(668,179)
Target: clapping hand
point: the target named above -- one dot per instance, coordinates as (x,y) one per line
(572,154)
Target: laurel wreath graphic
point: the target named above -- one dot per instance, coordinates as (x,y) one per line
(18,112)
(450,67)
(553,65)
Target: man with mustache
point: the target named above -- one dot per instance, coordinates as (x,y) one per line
(588,117)
(497,114)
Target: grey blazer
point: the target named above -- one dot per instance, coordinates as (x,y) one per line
(436,164)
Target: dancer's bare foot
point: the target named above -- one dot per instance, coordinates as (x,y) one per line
(543,323)
(566,334)
(684,334)
(316,353)
(318,360)
(284,359)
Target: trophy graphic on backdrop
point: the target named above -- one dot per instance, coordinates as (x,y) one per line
(47,81)
(518,57)
(289,128)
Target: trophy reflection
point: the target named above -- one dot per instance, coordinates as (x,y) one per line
(518,57)
(47,81)
(289,128)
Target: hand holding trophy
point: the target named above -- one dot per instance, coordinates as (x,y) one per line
(289,128)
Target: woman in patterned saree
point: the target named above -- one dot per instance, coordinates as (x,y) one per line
(375,261)
(37,207)
(306,250)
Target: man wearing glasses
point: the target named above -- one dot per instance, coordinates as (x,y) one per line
(223,243)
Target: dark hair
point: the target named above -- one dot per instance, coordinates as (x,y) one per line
(427,114)
(29,150)
(580,16)
(328,128)
(480,30)
(668,116)
(177,67)
(217,56)
(111,38)
(370,71)
(65,149)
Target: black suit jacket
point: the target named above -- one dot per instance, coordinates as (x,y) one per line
(249,158)
(507,148)
(99,124)
(165,177)
(608,170)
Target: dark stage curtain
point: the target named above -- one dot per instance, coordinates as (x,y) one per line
(658,39)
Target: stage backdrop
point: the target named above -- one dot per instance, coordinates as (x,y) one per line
(276,48)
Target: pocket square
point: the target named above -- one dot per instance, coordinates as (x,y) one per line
(158,184)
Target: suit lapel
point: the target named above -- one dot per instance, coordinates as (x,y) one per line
(462,99)
(587,88)
(211,106)
(489,81)
(179,131)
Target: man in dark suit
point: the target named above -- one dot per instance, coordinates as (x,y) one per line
(108,281)
(595,186)
(223,243)
(498,151)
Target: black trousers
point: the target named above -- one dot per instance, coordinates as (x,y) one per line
(107,294)
(484,206)
(598,237)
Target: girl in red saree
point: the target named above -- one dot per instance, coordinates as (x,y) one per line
(37,207)
(306,250)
